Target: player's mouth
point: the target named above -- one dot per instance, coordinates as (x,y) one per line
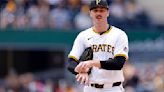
(98,17)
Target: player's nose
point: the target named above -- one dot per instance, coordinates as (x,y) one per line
(98,13)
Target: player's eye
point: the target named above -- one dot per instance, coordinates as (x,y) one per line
(95,10)
(101,10)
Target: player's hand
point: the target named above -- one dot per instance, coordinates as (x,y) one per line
(83,78)
(83,70)
(83,67)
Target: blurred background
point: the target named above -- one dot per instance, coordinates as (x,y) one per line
(37,35)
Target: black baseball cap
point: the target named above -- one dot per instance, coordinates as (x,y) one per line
(98,3)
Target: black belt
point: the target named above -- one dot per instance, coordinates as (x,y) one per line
(102,85)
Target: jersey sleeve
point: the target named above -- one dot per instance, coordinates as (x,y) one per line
(77,48)
(121,46)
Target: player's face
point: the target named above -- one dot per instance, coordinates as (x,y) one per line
(99,14)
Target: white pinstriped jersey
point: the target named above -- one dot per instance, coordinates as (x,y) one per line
(113,42)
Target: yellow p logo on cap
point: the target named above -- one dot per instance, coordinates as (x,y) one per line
(98,1)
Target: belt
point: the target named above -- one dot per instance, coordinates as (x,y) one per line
(105,85)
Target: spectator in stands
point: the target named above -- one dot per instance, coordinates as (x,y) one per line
(73,7)
(59,17)
(38,13)
(82,20)
(49,85)
(21,22)
(7,16)
(12,83)
(146,78)
(117,13)
(159,78)
(25,81)
(131,76)
(135,16)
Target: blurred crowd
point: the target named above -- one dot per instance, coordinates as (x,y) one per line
(68,14)
(142,78)
(74,14)
(28,82)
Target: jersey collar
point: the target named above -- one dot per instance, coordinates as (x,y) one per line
(107,31)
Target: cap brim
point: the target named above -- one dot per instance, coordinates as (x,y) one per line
(98,6)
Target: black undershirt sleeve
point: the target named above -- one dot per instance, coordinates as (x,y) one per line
(71,65)
(113,64)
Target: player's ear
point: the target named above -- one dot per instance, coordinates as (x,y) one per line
(108,13)
(90,14)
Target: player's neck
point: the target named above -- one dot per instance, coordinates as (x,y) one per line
(101,28)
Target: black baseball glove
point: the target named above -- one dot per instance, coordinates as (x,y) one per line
(87,54)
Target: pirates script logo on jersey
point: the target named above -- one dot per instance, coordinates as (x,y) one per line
(103,48)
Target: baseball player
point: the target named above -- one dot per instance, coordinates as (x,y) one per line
(110,51)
